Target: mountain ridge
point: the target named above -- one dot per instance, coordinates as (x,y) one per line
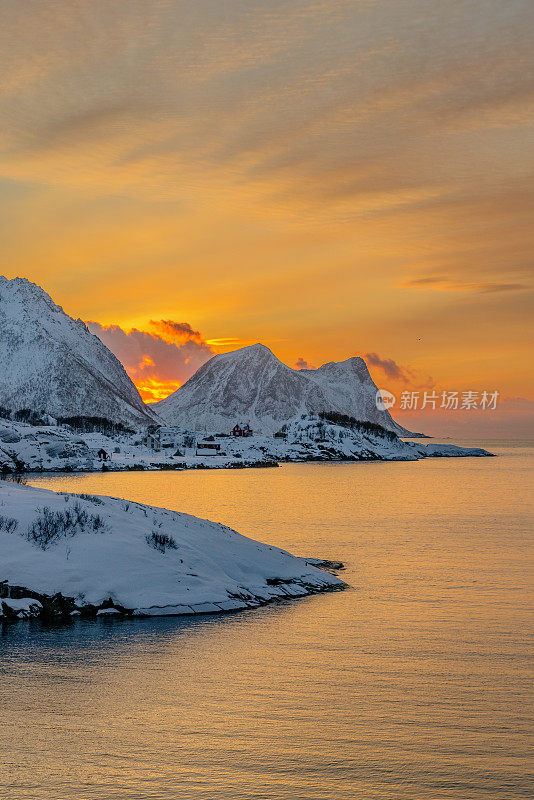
(53,364)
(251,385)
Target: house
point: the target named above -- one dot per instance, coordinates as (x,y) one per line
(170,436)
(102,455)
(163,438)
(239,431)
(152,440)
(206,448)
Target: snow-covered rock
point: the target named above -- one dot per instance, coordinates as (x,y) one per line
(52,364)
(22,608)
(447,450)
(120,555)
(326,440)
(252,386)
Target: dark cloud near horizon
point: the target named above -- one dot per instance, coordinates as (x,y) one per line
(389,367)
(301,363)
(397,372)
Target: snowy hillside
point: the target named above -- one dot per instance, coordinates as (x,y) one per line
(51,363)
(351,391)
(109,553)
(252,386)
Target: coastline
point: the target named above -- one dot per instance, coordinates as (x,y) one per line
(66,554)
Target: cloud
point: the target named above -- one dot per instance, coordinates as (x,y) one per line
(228,150)
(177,330)
(339,98)
(301,363)
(389,367)
(156,366)
(397,372)
(229,343)
(442,284)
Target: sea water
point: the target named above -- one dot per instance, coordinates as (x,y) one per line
(414,683)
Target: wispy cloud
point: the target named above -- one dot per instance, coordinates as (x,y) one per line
(330,99)
(443,284)
(398,373)
(389,367)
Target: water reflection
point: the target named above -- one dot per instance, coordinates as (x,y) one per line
(414,684)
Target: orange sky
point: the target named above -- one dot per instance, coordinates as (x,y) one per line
(328,178)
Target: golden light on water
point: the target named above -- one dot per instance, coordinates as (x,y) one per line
(415,680)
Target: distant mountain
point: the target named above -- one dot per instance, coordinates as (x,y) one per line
(52,364)
(252,386)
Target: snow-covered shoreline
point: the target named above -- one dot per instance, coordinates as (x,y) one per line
(63,555)
(48,448)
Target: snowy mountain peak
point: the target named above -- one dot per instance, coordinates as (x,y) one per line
(253,352)
(355,365)
(251,385)
(53,364)
(258,347)
(24,290)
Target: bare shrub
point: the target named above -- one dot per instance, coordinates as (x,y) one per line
(98,522)
(161,542)
(47,527)
(8,524)
(92,499)
(50,526)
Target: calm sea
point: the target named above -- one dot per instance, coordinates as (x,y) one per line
(414,683)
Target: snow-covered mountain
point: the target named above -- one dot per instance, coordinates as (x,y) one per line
(252,386)
(247,385)
(51,363)
(352,391)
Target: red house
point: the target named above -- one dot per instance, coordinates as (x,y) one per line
(239,431)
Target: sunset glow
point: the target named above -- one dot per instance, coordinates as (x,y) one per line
(328,179)
(152,390)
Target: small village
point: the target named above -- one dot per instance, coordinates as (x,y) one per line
(60,448)
(167,437)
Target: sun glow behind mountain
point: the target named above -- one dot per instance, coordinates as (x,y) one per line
(327,178)
(152,390)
